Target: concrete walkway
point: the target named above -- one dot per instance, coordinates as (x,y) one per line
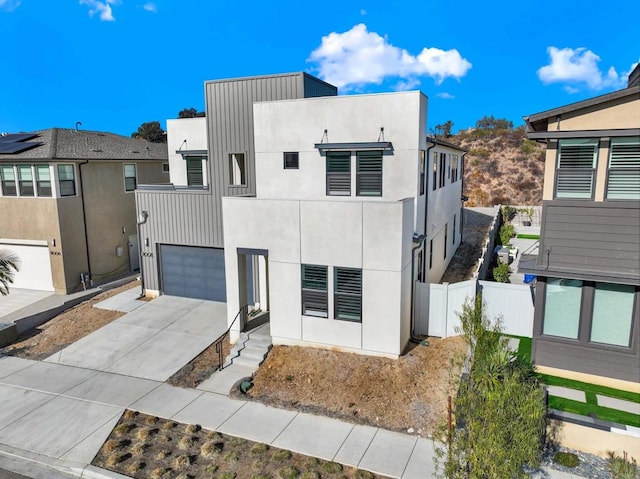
(60,411)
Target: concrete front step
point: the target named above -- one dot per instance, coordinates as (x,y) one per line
(222,381)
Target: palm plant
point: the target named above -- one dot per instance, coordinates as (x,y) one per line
(8,268)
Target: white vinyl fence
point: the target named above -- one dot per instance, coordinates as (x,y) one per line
(438,305)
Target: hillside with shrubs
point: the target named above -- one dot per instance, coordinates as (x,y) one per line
(502,166)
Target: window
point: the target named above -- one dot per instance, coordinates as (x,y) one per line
(291,160)
(165,167)
(453,239)
(8,179)
(348,294)
(237,169)
(194,170)
(43,180)
(423,168)
(430,254)
(446,232)
(435,171)
(624,169)
(454,168)
(129,177)
(25,180)
(314,291)
(338,173)
(576,168)
(369,173)
(420,267)
(562,308)
(612,314)
(66,180)
(443,164)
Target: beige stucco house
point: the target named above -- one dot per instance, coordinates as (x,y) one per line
(67,204)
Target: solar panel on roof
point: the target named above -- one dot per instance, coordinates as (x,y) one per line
(19,147)
(17,137)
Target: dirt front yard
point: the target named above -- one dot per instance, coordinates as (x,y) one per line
(405,394)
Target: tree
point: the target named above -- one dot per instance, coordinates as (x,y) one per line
(150,131)
(491,123)
(444,129)
(500,414)
(8,267)
(190,113)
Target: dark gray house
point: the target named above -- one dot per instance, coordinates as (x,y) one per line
(587,317)
(180,225)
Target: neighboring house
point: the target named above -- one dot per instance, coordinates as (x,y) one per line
(587,317)
(68,205)
(352,206)
(210,157)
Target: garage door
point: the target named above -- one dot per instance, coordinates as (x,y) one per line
(193,272)
(35,266)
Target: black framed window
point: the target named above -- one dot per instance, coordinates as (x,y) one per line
(369,173)
(442,167)
(291,160)
(420,267)
(446,231)
(237,169)
(194,171)
(66,180)
(314,291)
(435,171)
(347,296)
(430,254)
(453,239)
(423,168)
(338,173)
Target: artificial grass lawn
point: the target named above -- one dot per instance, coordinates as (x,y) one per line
(526,236)
(590,390)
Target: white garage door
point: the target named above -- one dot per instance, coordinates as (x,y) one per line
(35,266)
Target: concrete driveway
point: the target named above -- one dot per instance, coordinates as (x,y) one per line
(152,342)
(20,298)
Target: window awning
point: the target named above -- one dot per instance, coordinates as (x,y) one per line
(192,152)
(356,146)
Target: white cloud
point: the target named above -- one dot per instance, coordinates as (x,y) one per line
(103,9)
(445,95)
(150,7)
(9,5)
(578,67)
(357,57)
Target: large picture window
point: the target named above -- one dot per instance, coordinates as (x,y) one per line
(338,173)
(562,308)
(348,294)
(576,168)
(369,173)
(612,314)
(623,182)
(314,290)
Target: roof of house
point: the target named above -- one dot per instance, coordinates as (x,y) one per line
(438,141)
(69,144)
(538,121)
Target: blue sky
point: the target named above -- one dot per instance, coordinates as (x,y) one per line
(114,64)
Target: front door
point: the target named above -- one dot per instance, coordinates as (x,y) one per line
(134,254)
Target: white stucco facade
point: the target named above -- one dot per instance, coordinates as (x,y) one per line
(298,221)
(185,135)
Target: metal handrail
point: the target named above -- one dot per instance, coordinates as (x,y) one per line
(244,311)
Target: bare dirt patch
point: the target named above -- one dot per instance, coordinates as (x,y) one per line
(410,392)
(66,328)
(145,447)
(201,367)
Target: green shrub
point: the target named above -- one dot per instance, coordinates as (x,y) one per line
(508,213)
(566,459)
(281,455)
(622,467)
(528,146)
(506,232)
(481,152)
(501,272)
(332,467)
(288,472)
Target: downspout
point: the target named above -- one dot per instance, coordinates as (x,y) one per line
(84,220)
(140,222)
(463,198)
(421,240)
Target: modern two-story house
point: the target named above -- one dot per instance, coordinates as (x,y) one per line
(587,311)
(67,204)
(352,205)
(211,157)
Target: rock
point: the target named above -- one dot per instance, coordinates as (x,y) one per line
(410,430)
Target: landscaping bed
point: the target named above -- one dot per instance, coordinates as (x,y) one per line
(201,367)
(407,394)
(147,447)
